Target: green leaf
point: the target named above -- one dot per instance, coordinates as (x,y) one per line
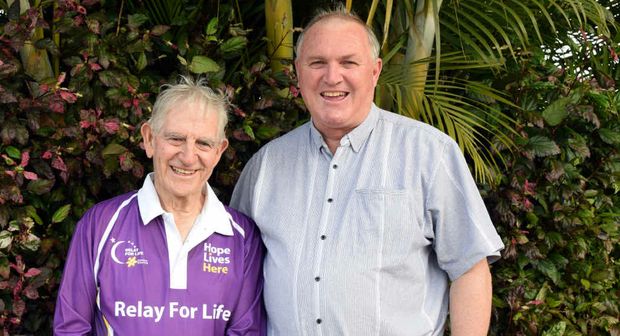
(267,132)
(556,111)
(202,64)
(557,330)
(159,30)
(5,268)
(142,62)
(32,243)
(543,146)
(212,26)
(113,149)
(609,136)
(13,152)
(548,268)
(233,46)
(32,212)
(61,213)
(182,60)
(136,20)
(110,78)
(5,239)
(585,283)
(40,186)
(248,130)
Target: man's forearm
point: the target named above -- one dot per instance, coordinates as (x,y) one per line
(470,301)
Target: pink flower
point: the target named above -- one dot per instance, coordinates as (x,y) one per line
(528,187)
(111,125)
(25,159)
(61,77)
(46,155)
(239,112)
(57,107)
(294,90)
(94,66)
(30,175)
(32,272)
(67,96)
(59,164)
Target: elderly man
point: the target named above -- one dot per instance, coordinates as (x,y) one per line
(372,221)
(170,258)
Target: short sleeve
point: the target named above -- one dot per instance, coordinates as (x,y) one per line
(463,231)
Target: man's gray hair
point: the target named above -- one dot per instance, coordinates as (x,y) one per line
(340,12)
(187,90)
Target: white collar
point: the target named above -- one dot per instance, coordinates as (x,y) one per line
(212,218)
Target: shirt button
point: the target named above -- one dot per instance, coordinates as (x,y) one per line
(335,166)
(323,237)
(318,321)
(329,200)
(317,279)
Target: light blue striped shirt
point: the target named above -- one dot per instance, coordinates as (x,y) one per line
(364,242)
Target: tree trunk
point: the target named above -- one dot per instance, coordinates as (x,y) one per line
(279,27)
(35,61)
(421,38)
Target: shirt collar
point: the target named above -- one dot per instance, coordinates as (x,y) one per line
(356,137)
(213,216)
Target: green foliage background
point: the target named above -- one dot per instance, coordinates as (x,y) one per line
(70,141)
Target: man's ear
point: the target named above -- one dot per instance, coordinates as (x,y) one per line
(223,145)
(147,136)
(376,71)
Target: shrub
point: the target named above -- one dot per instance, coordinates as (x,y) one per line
(73,140)
(558,205)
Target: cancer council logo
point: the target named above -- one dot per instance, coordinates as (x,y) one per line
(125,252)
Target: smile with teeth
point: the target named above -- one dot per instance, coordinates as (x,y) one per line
(182,171)
(334,94)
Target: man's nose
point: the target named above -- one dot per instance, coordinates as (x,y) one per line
(333,74)
(188,152)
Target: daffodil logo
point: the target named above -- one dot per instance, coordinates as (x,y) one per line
(125,252)
(131,262)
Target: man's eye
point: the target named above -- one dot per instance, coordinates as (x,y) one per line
(349,63)
(204,145)
(316,64)
(176,141)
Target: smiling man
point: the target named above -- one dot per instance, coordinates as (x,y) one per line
(170,258)
(372,221)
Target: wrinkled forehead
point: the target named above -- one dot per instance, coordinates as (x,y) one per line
(188,108)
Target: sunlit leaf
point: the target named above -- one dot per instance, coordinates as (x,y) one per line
(203,64)
(113,149)
(13,152)
(61,213)
(556,111)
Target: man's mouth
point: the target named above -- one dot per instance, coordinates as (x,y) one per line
(334,94)
(182,171)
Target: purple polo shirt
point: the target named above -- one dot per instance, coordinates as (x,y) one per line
(126,274)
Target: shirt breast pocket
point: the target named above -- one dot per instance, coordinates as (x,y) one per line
(383,229)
